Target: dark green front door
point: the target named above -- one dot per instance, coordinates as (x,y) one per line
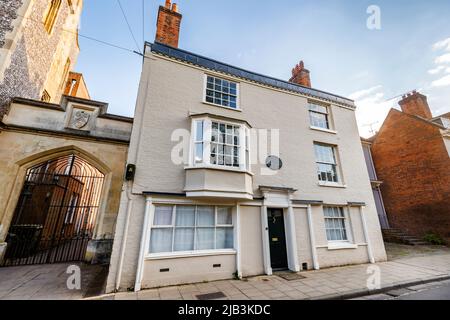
(277,239)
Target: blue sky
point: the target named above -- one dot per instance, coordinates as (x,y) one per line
(411,51)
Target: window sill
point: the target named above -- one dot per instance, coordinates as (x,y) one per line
(323,129)
(331,185)
(219,168)
(341,245)
(190,254)
(220,106)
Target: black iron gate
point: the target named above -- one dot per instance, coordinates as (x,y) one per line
(56,213)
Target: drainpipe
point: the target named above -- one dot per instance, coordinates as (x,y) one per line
(131,160)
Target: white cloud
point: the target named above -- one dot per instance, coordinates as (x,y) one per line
(445,58)
(436,70)
(363,93)
(447,70)
(372,108)
(444,44)
(442,82)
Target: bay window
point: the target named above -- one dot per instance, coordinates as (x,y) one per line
(220,143)
(187,228)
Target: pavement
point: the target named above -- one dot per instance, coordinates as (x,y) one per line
(48,282)
(408,267)
(430,291)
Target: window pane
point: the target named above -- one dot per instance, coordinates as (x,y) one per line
(161,240)
(185,216)
(163,216)
(318,108)
(199,131)
(199,152)
(224,238)
(184,239)
(205,216)
(221,92)
(318,120)
(224,216)
(204,239)
(324,153)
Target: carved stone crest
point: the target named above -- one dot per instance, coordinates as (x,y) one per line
(81,119)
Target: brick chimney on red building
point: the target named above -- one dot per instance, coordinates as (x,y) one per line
(300,75)
(416,104)
(168,24)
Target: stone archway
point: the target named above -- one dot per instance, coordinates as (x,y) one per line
(58,208)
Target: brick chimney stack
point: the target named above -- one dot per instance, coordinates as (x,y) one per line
(168,24)
(300,75)
(416,104)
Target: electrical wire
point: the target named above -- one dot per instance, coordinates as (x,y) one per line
(85,37)
(129,27)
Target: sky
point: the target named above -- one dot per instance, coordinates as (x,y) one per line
(409,51)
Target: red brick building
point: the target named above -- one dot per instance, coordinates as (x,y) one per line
(411,157)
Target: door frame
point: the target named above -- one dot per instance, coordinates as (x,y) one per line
(279,199)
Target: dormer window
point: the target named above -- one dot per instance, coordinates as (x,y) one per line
(221,92)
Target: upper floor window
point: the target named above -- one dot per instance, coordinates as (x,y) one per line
(220,143)
(318,116)
(335,224)
(221,92)
(326,163)
(191,228)
(52,15)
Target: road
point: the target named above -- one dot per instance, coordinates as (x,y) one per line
(430,291)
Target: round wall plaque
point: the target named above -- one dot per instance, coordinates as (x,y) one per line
(274,163)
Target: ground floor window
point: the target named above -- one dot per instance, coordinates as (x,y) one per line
(335,223)
(178,228)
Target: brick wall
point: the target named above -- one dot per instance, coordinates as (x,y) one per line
(411,158)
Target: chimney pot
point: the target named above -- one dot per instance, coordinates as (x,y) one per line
(300,75)
(416,104)
(168,25)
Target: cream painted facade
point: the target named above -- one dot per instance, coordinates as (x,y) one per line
(33,132)
(171,97)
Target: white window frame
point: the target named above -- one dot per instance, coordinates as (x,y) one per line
(327,115)
(238,103)
(340,181)
(194,252)
(244,145)
(347,227)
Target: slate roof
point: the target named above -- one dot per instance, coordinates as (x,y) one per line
(214,65)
